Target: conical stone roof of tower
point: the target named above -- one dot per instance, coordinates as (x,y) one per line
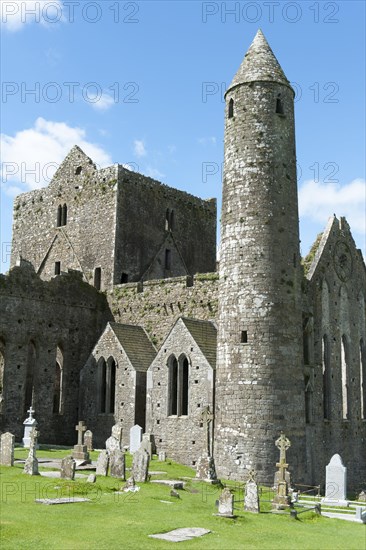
(259,64)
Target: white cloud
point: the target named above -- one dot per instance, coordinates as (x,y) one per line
(154,173)
(319,201)
(211,140)
(139,148)
(31,157)
(15,14)
(105,102)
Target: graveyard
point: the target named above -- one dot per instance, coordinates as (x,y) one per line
(57,497)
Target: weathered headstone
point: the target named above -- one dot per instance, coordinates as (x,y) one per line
(362,496)
(140,465)
(114,442)
(135,438)
(251,497)
(205,468)
(117,466)
(7,449)
(129,486)
(102,464)
(88,440)
(80,451)
(31,463)
(226,503)
(281,499)
(68,468)
(29,423)
(336,481)
(91,478)
(162,456)
(146,443)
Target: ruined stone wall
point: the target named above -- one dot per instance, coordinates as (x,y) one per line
(182,437)
(157,304)
(63,313)
(87,240)
(125,394)
(143,231)
(336,290)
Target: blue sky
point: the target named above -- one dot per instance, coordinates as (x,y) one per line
(141,83)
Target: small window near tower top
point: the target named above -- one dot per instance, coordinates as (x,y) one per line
(57,268)
(279,105)
(231,108)
(78,170)
(244,337)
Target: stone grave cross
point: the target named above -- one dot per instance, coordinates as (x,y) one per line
(80,428)
(207,417)
(34,437)
(281,499)
(31,412)
(282,444)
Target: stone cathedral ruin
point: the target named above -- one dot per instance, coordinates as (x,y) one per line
(113,310)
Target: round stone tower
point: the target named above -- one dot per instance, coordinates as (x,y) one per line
(259,379)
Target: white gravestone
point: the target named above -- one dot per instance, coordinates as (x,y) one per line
(29,423)
(335,482)
(135,438)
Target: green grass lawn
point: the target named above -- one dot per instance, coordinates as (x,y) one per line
(112,521)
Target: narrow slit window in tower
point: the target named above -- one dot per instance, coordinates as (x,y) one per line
(231,108)
(279,105)
(57,268)
(244,337)
(97,277)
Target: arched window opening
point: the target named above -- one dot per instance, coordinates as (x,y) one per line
(231,108)
(107,385)
(178,385)
(308,401)
(113,387)
(29,378)
(326,377)
(363,378)
(344,368)
(58,383)
(102,383)
(173,386)
(110,385)
(78,170)
(97,277)
(2,370)
(57,389)
(279,105)
(167,219)
(307,339)
(64,215)
(184,370)
(59,215)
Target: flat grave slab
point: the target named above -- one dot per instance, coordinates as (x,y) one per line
(173,483)
(181,535)
(58,475)
(50,501)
